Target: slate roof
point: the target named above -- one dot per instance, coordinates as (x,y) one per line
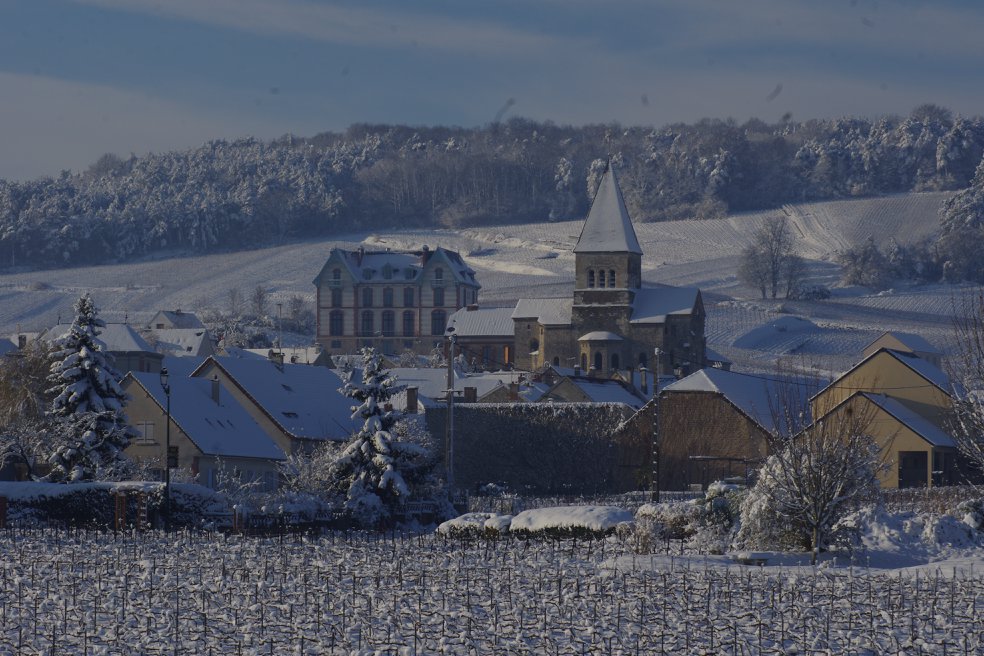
(397,266)
(178,319)
(218,429)
(914,422)
(303,400)
(605,391)
(114,337)
(608,228)
(548,311)
(493,322)
(653,304)
(184,342)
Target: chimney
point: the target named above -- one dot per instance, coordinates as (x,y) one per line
(513,391)
(577,371)
(215,388)
(471,395)
(411,401)
(644,375)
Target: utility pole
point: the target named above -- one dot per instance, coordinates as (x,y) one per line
(449,425)
(654,492)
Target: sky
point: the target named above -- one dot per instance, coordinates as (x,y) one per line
(80,78)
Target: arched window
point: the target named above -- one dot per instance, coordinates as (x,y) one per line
(438,296)
(611,278)
(408,297)
(598,361)
(534,345)
(614,359)
(643,361)
(590,277)
(556,362)
(408,324)
(439,320)
(367,297)
(336,297)
(336,323)
(368,327)
(438,273)
(584,361)
(389,324)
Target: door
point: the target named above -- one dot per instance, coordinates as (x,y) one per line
(913,468)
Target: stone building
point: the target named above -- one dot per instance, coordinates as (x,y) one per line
(393,301)
(612,322)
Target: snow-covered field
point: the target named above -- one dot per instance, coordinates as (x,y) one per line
(536,259)
(74,593)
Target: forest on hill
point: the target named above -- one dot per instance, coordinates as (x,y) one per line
(227,195)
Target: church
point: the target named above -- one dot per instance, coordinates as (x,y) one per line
(612,323)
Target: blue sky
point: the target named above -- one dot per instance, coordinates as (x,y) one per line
(83,77)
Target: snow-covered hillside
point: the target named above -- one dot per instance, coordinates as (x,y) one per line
(536,259)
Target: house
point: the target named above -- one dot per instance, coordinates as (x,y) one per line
(611,322)
(183,342)
(209,429)
(484,336)
(297,405)
(578,389)
(392,301)
(907,403)
(906,343)
(175,319)
(129,351)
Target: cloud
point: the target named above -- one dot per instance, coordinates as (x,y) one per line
(47,125)
(345,24)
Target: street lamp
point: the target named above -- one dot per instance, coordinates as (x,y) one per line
(449,428)
(167,450)
(654,492)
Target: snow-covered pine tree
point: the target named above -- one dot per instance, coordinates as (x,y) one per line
(88,404)
(376,472)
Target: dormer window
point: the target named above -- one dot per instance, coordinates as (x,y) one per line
(336,274)
(387,272)
(367,273)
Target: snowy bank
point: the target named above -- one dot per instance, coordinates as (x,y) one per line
(476,524)
(570,520)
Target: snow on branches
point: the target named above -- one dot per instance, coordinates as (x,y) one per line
(88,403)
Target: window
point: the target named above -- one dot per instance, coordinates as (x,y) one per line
(590,277)
(289,414)
(438,296)
(367,297)
(408,297)
(336,343)
(534,345)
(598,361)
(611,278)
(584,361)
(336,297)
(388,324)
(335,322)
(387,272)
(643,361)
(486,355)
(368,327)
(336,275)
(614,361)
(439,319)
(439,274)
(160,326)
(409,327)
(556,362)
(388,297)
(145,430)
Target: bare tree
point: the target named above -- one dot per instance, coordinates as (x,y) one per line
(967,368)
(813,478)
(770,260)
(235,302)
(258,299)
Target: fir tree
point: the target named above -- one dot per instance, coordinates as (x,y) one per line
(375,472)
(88,403)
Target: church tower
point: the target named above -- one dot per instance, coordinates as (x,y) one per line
(607,257)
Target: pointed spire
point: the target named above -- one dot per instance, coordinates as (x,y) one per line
(608,228)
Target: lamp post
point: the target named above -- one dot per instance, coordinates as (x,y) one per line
(167,449)
(449,428)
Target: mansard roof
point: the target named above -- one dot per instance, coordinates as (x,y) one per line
(396,266)
(608,228)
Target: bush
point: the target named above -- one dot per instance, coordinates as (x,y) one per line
(809,293)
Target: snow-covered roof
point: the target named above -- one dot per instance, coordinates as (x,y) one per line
(653,304)
(924,368)
(176,319)
(483,322)
(7,346)
(607,391)
(184,342)
(911,420)
(397,266)
(755,396)
(303,400)
(713,356)
(218,429)
(913,342)
(113,337)
(600,336)
(432,382)
(547,311)
(608,228)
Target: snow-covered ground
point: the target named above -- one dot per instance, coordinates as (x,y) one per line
(536,259)
(99,593)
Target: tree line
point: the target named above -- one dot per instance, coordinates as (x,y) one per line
(232,194)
